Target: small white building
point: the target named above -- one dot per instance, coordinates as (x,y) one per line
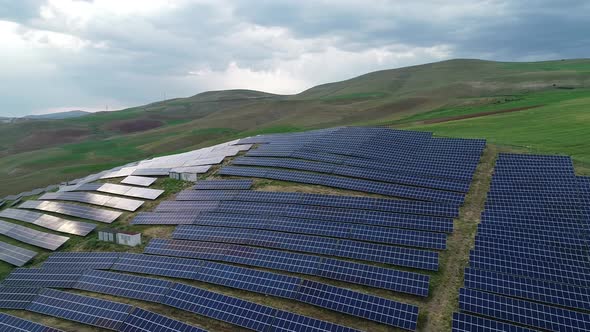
(125,238)
(188,173)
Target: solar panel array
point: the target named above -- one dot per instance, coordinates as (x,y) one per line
(368,186)
(32,236)
(117,316)
(14,255)
(333,214)
(377,277)
(85,212)
(96,199)
(50,222)
(224,184)
(117,189)
(351,202)
(12,323)
(139,180)
(530,267)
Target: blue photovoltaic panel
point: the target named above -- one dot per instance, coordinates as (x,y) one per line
(224,184)
(17,297)
(87,310)
(468,323)
(182,268)
(14,255)
(386,278)
(530,289)
(81,260)
(250,280)
(123,285)
(224,308)
(46,278)
(12,323)
(370,307)
(523,312)
(317,245)
(388,189)
(143,320)
(286,321)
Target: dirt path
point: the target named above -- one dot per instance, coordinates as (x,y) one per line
(439,309)
(477,115)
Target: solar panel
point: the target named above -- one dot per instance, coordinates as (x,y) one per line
(49,222)
(12,323)
(46,278)
(14,255)
(365,203)
(81,260)
(123,190)
(224,184)
(139,181)
(74,210)
(31,236)
(357,273)
(159,265)
(217,306)
(17,297)
(95,199)
(366,306)
(344,215)
(529,289)
(143,320)
(285,321)
(310,244)
(87,310)
(123,285)
(362,185)
(468,323)
(523,312)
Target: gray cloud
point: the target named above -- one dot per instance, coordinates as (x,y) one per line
(85,54)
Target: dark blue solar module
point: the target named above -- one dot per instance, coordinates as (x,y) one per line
(47,278)
(369,186)
(143,320)
(224,184)
(183,212)
(17,297)
(174,267)
(468,323)
(87,310)
(310,244)
(11,323)
(94,260)
(369,307)
(401,281)
(523,312)
(224,308)
(366,203)
(124,285)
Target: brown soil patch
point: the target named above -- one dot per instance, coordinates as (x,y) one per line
(44,138)
(476,115)
(133,126)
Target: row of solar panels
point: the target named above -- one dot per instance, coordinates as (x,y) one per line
(233,310)
(529,269)
(117,189)
(170,212)
(348,202)
(368,186)
(355,172)
(82,309)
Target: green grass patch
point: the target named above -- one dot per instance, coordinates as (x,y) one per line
(355,96)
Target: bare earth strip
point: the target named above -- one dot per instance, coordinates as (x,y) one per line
(445,297)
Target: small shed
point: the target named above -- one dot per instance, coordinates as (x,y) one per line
(125,238)
(188,173)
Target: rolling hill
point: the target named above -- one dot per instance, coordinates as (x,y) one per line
(540,106)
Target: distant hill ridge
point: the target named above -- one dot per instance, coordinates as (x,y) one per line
(58,116)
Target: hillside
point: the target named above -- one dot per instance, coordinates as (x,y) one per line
(58,116)
(42,152)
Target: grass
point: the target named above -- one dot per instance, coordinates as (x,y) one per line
(560,128)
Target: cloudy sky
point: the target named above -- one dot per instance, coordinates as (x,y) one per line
(72,54)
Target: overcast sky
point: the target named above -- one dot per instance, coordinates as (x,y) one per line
(61,55)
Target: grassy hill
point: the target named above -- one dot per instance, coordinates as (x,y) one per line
(542,106)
